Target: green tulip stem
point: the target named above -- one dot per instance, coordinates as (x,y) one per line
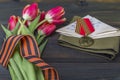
(41,22)
(39,34)
(16,69)
(40,39)
(22,25)
(17,57)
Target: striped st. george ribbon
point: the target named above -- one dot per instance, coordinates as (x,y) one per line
(30,51)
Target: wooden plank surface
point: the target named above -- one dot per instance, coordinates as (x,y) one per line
(71,64)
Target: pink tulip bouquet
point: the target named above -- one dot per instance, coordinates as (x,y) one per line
(26,38)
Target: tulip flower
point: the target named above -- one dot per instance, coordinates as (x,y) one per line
(42,15)
(46,28)
(12,22)
(54,15)
(30,12)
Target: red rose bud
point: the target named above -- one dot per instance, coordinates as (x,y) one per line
(12,22)
(85,27)
(54,15)
(47,28)
(30,12)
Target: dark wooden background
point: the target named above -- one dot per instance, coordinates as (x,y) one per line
(71,64)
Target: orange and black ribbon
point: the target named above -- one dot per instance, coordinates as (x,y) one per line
(30,51)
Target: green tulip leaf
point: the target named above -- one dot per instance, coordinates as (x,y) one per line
(39,34)
(15,30)
(29,71)
(39,73)
(42,46)
(7,32)
(26,31)
(12,73)
(33,24)
(18,59)
(16,69)
(40,39)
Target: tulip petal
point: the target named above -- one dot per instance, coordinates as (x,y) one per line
(25,8)
(42,15)
(58,16)
(47,28)
(42,26)
(30,11)
(54,15)
(56,11)
(59,21)
(12,22)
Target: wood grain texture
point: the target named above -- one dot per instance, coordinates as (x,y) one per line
(71,64)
